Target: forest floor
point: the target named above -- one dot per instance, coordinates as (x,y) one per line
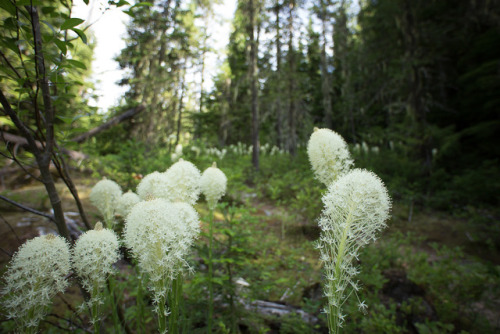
(285,243)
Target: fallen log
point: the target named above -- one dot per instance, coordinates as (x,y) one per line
(278,310)
(115,120)
(21,141)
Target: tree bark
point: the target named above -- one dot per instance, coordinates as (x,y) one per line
(253,79)
(325,82)
(181,106)
(292,146)
(279,106)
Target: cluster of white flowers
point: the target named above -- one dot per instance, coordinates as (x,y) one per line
(126,202)
(180,183)
(329,155)
(213,185)
(356,207)
(94,254)
(160,234)
(104,196)
(214,151)
(196,150)
(36,273)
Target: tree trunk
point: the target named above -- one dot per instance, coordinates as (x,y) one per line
(279,106)
(292,146)
(325,82)
(253,80)
(181,106)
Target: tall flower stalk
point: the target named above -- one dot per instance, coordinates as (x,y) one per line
(94,254)
(356,207)
(213,184)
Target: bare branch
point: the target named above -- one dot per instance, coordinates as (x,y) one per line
(64,173)
(25,208)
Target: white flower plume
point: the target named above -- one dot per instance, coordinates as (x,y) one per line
(36,273)
(126,202)
(104,196)
(356,208)
(213,184)
(160,235)
(182,183)
(94,254)
(329,155)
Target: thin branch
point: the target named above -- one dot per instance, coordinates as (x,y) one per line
(25,208)
(5,252)
(71,308)
(11,228)
(10,65)
(62,168)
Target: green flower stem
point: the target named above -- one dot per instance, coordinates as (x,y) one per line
(162,315)
(333,320)
(95,309)
(174,303)
(210,272)
(140,303)
(114,306)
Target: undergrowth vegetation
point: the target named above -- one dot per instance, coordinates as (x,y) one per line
(427,273)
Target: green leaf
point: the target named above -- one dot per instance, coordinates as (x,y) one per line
(21,3)
(65,119)
(81,34)
(6,121)
(61,45)
(77,63)
(50,26)
(71,22)
(144,3)
(8,7)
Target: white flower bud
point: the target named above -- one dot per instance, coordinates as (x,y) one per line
(126,202)
(213,185)
(149,185)
(329,155)
(182,183)
(104,196)
(36,273)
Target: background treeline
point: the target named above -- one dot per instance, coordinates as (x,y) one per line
(415,81)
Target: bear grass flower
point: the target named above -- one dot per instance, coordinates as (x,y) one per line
(329,155)
(36,273)
(356,207)
(149,186)
(126,202)
(213,185)
(104,196)
(182,183)
(94,254)
(160,235)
